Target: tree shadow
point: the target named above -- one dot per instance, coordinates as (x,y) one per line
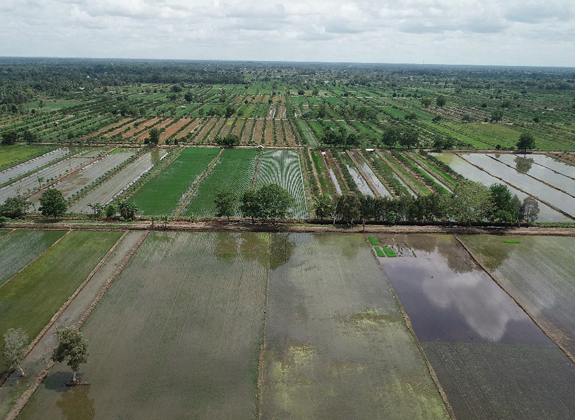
(76,405)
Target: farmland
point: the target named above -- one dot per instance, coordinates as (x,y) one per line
(172,184)
(482,346)
(36,293)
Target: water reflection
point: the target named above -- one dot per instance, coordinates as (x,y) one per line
(523,165)
(76,404)
(448,298)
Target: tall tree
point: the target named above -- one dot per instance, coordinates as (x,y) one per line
(349,207)
(15,342)
(323,206)
(470,201)
(225,202)
(14,207)
(53,203)
(154,136)
(526,142)
(72,347)
(440,100)
(530,209)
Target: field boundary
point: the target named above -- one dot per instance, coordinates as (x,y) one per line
(496,280)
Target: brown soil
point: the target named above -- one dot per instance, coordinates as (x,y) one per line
(280,140)
(258,131)
(216,130)
(269,133)
(189,128)
(248,131)
(140,127)
(290,137)
(227,127)
(207,126)
(108,127)
(172,129)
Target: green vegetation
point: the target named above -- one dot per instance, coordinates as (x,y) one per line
(379,252)
(36,293)
(163,193)
(389,252)
(511,241)
(373,240)
(234,171)
(12,155)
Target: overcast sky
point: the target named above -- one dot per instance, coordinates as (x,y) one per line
(491,32)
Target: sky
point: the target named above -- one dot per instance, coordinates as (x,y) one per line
(476,32)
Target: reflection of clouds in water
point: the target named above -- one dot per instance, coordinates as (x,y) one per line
(483,305)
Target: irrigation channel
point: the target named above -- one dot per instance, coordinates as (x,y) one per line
(293,325)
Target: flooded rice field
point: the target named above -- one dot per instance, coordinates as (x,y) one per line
(33,164)
(481,344)
(546,213)
(540,273)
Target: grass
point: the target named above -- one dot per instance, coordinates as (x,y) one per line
(234,171)
(35,294)
(373,240)
(379,252)
(162,195)
(11,155)
(510,241)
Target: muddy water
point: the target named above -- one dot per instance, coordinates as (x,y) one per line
(450,299)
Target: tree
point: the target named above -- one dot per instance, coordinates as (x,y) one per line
(324,206)
(425,102)
(72,347)
(97,209)
(390,136)
(127,210)
(530,209)
(14,207)
(154,136)
(250,206)
(496,115)
(368,208)
(470,201)
(188,96)
(9,138)
(440,100)
(15,342)
(349,207)
(526,142)
(225,203)
(275,202)
(230,140)
(53,203)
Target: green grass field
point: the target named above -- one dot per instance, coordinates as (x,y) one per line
(35,294)
(163,194)
(21,247)
(234,171)
(20,152)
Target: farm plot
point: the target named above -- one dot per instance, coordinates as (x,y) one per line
(107,191)
(200,137)
(546,213)
(187,132)
(529,167)
(289,134)
(269,133)
(380,188)
(277,125)
(140,128)
(89,174)
(538,273)
(36,293)
(336,343)
(33,164)
(212,134)
(306,133)
(282,167)
(482,345)
(323,174)
(257,137)
(163,194)
(362,185)
(180,330)
(27,185)
(247,133)
(172,129)
(21,247)
(553,164)
(529,185)
(233,171)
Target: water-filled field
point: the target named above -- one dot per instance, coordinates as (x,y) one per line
(459,165)
(539,273)
(32,164)
(482,345)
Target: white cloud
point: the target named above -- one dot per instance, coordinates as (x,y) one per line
(434,31)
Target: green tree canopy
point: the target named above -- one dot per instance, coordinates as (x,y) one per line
(526,142)
(14,207)
(15,343)
(269,202)
(53,203)
(226,202)
(72,347)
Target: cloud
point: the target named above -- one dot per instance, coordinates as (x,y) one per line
(439,31)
